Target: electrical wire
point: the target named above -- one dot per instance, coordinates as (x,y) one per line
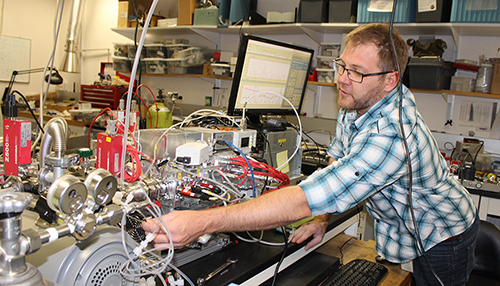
(150,116)
(276,270)
(407,149)
(341,253)
(161,263)
(249,166)
(180,124)
(236,192)
(210,111)
(131,85)
(261,241)
(299,138)
(477,152)
(154,99)
(31,111)
(57,26)
(269,171)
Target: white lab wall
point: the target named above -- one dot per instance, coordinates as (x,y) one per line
(472,46)
(34,20)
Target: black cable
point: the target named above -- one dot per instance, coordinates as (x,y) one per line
(407,149)
(447,142)
(139,79)
(31,111)
(282,256)
(318,158)
(341,253)
(480,147)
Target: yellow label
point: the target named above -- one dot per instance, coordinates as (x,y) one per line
(282,140)
(108,139)
(281,158)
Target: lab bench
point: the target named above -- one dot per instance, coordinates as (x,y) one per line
(486,197)
(257,262)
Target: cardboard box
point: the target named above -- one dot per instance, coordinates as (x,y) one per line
(495,81)
(186,12)
(206,17)
(122,14)
(126,11)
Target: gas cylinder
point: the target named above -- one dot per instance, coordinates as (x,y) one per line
(164,116)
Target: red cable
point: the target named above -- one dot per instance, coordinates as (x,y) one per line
(150,116)
(100,113)
(154,98)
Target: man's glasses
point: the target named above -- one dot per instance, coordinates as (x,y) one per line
(353,75)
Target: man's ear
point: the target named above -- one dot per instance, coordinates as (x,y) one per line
(391,81)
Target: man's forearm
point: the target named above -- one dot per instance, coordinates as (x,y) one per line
(272,210)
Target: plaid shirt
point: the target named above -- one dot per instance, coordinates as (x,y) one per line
(371,165)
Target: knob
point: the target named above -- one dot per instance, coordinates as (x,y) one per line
(11,202)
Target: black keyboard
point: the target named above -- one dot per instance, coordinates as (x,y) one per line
(359,272)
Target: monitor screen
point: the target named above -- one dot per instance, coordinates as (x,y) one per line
(264,68)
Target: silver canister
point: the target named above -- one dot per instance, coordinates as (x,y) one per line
(483,80)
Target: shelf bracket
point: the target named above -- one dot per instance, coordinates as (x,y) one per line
(314,35)
(456,36)
(450,100)
(213,37)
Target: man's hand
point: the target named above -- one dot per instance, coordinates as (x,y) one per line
(315,228)
(264,212)
(182,232)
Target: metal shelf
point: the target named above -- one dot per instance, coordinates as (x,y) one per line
(314,30)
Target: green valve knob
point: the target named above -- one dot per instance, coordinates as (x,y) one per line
(85,152)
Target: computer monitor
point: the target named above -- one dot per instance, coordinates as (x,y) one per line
(266,67)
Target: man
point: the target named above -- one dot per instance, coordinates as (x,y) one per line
(368,163)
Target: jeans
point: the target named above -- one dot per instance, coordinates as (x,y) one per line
(452,261)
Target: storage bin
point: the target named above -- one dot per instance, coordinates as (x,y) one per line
(313,11)
(131,52)
(430,73)
(369,13)
(325,62)
(438,11)
(156,51)
(173,48)
(326,75)
(330,49)
(221,69)
(342,11)
(122,64)
(175,67)
(462,84)
(121,50)
(175,41)
(194,56)
(475,11)
(156,65)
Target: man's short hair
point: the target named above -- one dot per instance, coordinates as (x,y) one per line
(379,34)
